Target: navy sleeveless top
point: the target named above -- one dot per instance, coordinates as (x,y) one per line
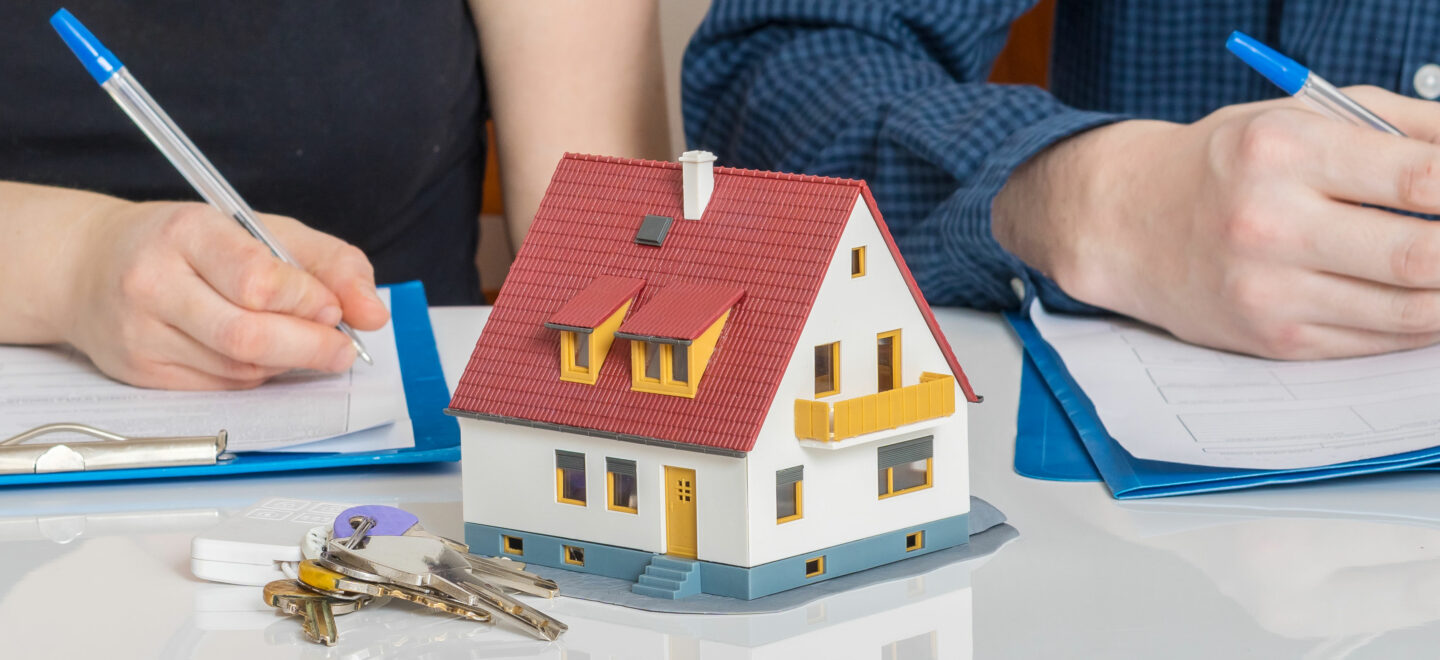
(361,118)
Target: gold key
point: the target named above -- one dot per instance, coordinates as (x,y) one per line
(329,582)
(317,609)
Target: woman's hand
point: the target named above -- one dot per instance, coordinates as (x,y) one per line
(176,295)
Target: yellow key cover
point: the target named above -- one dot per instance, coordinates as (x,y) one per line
(318,576)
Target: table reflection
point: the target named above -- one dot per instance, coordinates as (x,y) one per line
(126,575)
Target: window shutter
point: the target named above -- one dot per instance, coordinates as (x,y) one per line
(569,460)
(790,475)
(909,451)
(620,466)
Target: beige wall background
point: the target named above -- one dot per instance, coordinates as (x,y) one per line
(678,20)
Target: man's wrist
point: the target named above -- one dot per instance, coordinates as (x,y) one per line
(1062,212)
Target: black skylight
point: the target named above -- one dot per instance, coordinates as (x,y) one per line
(653,230)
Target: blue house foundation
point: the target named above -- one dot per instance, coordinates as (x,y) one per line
(665,576)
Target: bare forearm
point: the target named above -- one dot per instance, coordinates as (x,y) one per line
(569,75)
(42,229)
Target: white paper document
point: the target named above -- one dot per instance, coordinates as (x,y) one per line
(44,385)
(1166,400)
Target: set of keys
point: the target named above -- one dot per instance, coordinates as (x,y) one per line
(376,553)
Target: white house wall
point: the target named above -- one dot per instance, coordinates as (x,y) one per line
(509,481)
(840,498)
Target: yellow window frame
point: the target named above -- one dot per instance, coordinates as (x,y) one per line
(857,261)
(560,489)
(915,541)
(512,545)
(570,341)
(598,343)
(834,370)
(799,504)
(895,375)
(819,566)
(574,555)
(890,480)
(698,353)
(610,496)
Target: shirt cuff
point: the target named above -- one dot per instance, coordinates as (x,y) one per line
(1026,282)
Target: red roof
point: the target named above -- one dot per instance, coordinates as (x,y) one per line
(682,310)
(769,235)
(597,301)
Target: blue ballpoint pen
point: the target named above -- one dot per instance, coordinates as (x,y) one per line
(1304,84)
(147,114)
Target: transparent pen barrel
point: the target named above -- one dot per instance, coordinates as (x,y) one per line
(193,165)
(1324,97)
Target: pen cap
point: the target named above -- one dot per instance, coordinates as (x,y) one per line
(98,60)
(1283,71)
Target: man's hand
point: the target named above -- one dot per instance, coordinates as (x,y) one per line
(176,295)
(1245,230)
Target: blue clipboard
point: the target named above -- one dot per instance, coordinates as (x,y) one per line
(1059,435)
(437,435)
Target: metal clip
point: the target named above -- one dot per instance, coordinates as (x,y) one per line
(17,458)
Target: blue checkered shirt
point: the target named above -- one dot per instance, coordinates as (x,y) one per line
(894,92)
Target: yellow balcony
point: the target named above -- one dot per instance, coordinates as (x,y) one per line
(932,398)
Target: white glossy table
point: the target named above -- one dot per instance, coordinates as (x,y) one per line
(1340,569)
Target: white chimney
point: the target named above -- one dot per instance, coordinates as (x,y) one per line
(698,177)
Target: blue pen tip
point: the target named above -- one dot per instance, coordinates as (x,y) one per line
(1281,70)
(98,60)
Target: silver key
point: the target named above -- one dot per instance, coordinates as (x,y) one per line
(431,564)
(330,582)
(381,520)
(357,523)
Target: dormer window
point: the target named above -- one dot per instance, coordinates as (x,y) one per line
(674,334)
(575,352)
(587,325)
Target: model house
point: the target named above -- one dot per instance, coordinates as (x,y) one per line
(705,379)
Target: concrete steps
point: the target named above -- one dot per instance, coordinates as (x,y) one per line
(668,577)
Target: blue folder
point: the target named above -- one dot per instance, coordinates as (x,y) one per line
(437,435)
(1060,437)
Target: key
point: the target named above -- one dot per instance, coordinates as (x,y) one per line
(327,581)
(392,521)
(316,609)
(345,603)
(388,521)
(431,564)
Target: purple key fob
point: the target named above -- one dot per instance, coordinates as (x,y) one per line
(389,521)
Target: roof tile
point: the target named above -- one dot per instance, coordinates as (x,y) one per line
(597,301)
(682,310)
(767,234)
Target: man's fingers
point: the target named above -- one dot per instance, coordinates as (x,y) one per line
(1321,342)
(1343,302)
(261,338)
(1417,118)
(243,270)
(341,267)
(1365,166)
(1364,243)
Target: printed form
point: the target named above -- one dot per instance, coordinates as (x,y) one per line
(360,410)
(1166,400)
